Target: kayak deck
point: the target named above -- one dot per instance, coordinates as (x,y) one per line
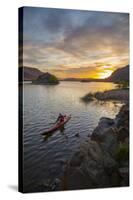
(57,125)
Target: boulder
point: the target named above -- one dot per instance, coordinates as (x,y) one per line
(108,141)
(76,159)
(91,167)
(122,119)
(103,125)
(122,134)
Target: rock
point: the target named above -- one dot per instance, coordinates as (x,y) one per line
(109,163)
(77,179)
(76,159)
(107,121)
(122,134)
(88,98)
(103,125)
(122,119)
(109,141)
(90,165)
(115,179)
(124,173)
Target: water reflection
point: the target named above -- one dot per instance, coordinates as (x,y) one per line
(42,104)
(61,130)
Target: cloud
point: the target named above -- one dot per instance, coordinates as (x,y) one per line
(71,40)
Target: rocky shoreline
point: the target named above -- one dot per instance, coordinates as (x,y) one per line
(102,161)
(115,94)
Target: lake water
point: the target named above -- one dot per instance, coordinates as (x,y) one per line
(44,157)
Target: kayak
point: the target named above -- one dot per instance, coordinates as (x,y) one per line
(57,125)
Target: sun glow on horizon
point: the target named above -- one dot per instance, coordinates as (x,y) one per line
(105,72)
(99,72)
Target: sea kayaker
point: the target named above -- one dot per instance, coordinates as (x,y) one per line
(60,118)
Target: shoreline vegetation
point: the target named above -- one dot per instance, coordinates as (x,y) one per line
(114,94)
(120,93)
(46,79)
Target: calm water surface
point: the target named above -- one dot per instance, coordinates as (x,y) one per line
(44,158)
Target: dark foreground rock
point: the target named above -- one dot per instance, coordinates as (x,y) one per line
(102,160)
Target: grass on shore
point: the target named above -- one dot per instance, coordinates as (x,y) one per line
(122,152)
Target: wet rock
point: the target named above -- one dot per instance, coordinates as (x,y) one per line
(122,119)
(107,121)
(88,98)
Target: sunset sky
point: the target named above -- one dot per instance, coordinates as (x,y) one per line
(72,43)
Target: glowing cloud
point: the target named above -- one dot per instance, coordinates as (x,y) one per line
(72,43)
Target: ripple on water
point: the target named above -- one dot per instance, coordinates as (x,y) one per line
(44,158)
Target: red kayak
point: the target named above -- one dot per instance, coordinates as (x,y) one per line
(58,125)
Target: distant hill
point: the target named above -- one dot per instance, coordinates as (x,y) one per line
(83,79)
(46,79)
(121,74)
(71,79)
(28,73)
